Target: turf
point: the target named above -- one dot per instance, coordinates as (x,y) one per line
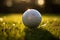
(12,27)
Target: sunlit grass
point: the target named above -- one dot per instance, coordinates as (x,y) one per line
(13,26)
(52,24)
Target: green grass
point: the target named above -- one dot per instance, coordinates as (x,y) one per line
(12,28)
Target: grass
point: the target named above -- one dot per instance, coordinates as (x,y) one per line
(12,28)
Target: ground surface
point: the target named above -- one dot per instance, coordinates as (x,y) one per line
(12,28)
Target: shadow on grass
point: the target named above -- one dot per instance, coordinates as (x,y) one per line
(39,34)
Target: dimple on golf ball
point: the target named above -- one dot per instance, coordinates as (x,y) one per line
(31,18)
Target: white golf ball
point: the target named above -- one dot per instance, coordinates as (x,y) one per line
(31,18)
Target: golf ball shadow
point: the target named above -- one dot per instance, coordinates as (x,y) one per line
(31,18)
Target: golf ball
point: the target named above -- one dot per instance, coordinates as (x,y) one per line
(31,18)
